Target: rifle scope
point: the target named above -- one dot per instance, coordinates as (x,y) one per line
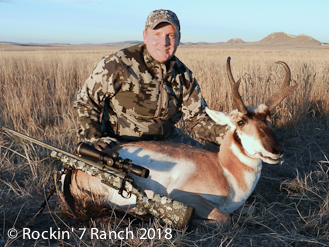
(113,160)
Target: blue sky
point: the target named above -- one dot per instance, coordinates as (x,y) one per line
(102,21)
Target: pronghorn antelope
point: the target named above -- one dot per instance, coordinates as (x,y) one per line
(215,184)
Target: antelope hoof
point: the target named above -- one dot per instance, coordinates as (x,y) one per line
(219,218)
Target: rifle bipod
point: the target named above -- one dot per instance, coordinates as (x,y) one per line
(69,200)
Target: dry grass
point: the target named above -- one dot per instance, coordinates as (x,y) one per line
(38,88)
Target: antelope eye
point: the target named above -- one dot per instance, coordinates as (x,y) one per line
(240,123)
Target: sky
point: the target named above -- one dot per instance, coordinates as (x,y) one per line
(105,21)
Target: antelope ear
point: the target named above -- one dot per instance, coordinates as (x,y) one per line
(221,118)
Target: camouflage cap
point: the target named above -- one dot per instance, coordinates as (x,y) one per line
(161,15)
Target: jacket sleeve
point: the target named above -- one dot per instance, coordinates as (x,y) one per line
(194,114)
(104,82)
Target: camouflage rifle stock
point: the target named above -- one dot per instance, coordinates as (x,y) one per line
(170,211)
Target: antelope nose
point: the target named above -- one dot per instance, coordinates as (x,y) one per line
(277,150)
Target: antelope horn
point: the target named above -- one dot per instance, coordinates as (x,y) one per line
(235,89)
(284,91)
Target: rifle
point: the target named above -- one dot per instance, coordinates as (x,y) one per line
(113,171)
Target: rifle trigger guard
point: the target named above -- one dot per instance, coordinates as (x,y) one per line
(122,188)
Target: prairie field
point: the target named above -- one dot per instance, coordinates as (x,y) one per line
(290,203)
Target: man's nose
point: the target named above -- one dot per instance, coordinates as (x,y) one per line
(165,40)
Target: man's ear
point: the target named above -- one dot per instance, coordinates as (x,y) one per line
(144,35)
(179,38)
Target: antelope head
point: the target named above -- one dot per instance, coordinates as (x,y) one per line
(250,126)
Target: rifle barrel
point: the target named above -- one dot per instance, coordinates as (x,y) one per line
(33,140)
(50,147)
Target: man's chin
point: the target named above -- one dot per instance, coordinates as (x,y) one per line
(162,57)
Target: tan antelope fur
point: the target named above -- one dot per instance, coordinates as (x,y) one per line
(215,184)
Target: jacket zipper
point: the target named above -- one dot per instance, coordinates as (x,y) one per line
(157,117)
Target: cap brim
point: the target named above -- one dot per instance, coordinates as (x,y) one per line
(164,20)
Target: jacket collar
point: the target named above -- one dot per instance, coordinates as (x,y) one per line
(159,70)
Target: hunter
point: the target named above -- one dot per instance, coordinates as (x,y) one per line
(141,92)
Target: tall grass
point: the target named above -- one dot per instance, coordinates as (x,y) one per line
(261,77)
(38,89)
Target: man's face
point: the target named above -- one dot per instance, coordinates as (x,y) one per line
(162,41)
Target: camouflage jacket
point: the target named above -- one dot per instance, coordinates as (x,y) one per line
(131,96)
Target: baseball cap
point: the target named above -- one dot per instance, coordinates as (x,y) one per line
(161,15)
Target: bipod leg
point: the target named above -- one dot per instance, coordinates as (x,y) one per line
(68,198)
(51,192)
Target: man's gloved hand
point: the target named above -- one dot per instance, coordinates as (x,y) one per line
(105,143)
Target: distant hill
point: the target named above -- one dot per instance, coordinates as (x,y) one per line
(234,42)
(201,43)
(122,43)
(34,44)
(284,39)
(274,39)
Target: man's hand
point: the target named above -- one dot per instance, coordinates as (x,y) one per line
(105,143)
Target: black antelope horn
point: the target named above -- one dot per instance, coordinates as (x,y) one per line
(235,89)
(284,91)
